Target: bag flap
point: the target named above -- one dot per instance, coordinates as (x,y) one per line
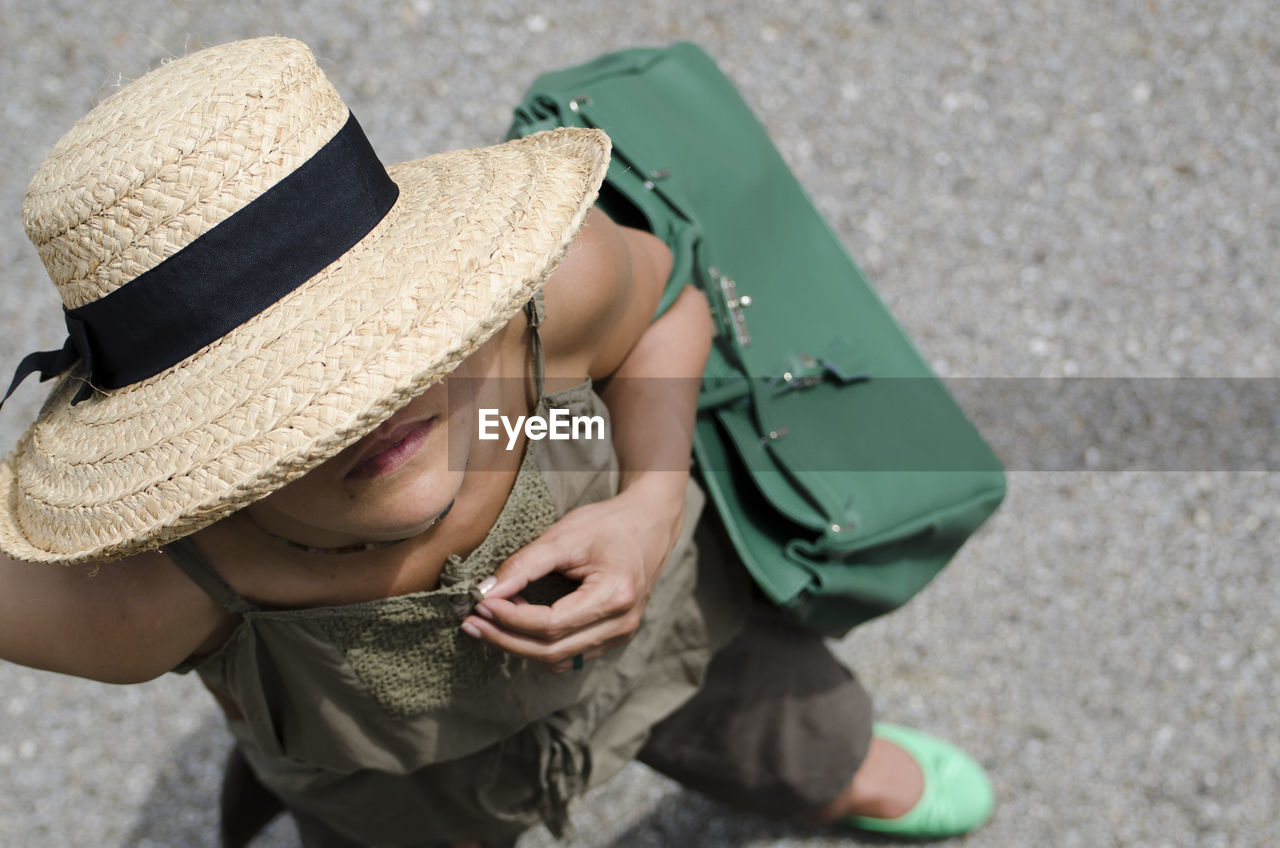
(858,464)
(770,478)
(757,532)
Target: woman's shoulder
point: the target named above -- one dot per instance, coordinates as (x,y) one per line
(601,297)
(123,621)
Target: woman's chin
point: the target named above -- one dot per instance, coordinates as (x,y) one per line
(399,503)
(407,515)
(402,530)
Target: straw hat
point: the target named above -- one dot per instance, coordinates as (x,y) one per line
(162,214)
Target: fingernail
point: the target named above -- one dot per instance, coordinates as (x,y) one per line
(471,630)
(484,611)
(487,584)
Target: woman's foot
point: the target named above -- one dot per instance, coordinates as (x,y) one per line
(914,785)
(887,785)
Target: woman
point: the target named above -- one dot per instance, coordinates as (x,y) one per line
(265,460)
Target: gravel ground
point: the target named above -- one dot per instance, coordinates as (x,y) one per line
(1038,189)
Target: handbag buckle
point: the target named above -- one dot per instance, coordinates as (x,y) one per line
(734,303)
(799,372)
(804,370)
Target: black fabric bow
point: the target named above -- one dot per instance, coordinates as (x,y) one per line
(51,363)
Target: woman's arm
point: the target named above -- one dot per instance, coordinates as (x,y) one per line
(618,547)
(118,622)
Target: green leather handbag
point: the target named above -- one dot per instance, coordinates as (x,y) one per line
(845,473)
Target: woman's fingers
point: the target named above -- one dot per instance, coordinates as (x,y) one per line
(536,559)
(591,641)
(598,598)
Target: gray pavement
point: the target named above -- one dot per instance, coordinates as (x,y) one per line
(1037,188)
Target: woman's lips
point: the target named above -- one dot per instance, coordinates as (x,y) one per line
(388,452)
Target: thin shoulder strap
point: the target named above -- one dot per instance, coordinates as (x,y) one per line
(536,310)
(193,563)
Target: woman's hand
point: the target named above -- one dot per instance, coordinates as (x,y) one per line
(616,549)
(651,370)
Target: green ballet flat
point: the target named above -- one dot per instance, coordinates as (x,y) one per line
(957,794)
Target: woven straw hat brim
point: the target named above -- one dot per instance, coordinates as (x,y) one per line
(472,236)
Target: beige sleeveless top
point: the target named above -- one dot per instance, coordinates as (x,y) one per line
(386,721)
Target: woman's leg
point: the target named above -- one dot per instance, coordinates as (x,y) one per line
(780,726)
(246,805)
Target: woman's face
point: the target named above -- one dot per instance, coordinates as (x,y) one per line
(391,484)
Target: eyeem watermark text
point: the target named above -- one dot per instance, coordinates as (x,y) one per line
(558,425)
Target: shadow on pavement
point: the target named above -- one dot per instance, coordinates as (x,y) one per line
(685,818)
